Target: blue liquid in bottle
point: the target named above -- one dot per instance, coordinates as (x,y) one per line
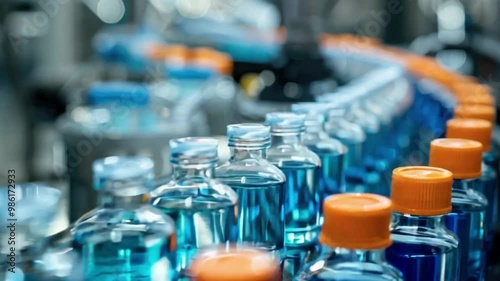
(260,187)
(422,247)
(345,256)
(125,239)
(331,151)
(469,206)
(204,210)
(488,185)
(463,158)
(302,169)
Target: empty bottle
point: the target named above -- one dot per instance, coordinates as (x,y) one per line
(235,264)
(204,210)
(260,186)
(124,239)
(481,131)
(330,151)
(422,247)
(354,237)
(301,168)
(467,218)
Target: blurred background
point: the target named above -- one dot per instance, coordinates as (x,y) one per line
(54,51)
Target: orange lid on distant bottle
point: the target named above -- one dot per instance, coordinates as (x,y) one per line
(212,58)
(235,265)
(484,112)
(462,157)
(421,191)
(471,129)
(356,221)
(473,94)
(172,53)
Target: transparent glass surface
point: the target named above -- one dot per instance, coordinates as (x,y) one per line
(351,135)
(29,210)
(204,209)
(261,197)
(423,248)
(301,167)
(467,221)
(349,265)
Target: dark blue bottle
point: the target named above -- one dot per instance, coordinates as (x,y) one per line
(467,218)
(481,131)
(422,247)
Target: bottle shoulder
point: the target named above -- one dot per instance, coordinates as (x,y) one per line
(145,219)
(191,191)
(468,199)
(338,267)
(292,153)
(434,237)
(251,170)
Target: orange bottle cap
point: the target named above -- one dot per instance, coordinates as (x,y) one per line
(462,157)
(356,221)
(420,190)
(473,93)
(484,112)
(235,265)
(471,129)
(172,53)
(209,57)
(476,99)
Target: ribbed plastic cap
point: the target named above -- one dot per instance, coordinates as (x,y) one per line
(460,156)
(221,62)
(421,191)
(235,265)
(285,121)
(356,221)
(110,171)
(476,99)
(471,129)
(249,135)
(484,112)
(315,112)
(123,93)
(193,149)
(473,94)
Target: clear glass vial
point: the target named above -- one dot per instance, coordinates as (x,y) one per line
(124,238)
(260,187)
(301,167)
(354,237)
(330,151)
(467,218)
(481,131)
(204,210)
(422,247)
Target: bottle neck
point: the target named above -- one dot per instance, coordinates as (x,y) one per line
(349,255)
(122,199)
(463,184)
(288,138)
(400,219)
(240,153)
(206,170)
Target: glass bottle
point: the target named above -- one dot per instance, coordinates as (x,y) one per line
(204,210)
(301,168)
(260,187)
(357,177)
(124,238)
(481,131)
(354,237)
(422,247)
(467,218)
(330,151)
(235,263)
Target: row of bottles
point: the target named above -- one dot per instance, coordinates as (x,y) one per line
(278,204)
